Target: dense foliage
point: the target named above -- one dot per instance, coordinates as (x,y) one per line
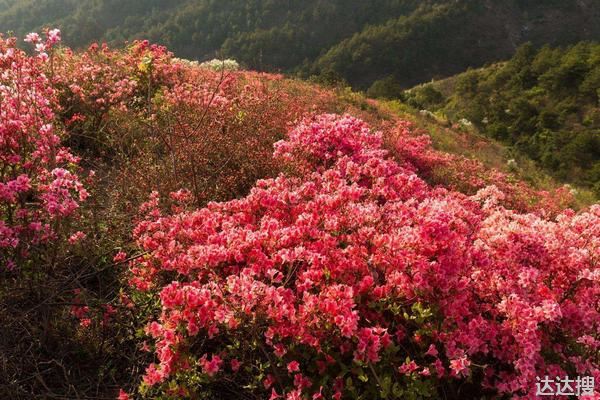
(355,279)
(545,103)
(358,41)
(354,263)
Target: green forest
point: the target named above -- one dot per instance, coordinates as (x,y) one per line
(545,103)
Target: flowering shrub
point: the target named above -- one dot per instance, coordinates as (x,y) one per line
(182,124)
(186,62)
(354,278)
(214,64)
(221,65)
(468,175)
(39,183)
(143,122)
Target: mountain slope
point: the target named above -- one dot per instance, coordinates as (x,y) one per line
(199,29)
(408,41)
(544,104)
(444,39)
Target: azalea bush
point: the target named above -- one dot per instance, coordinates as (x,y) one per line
(350,277)
(142,121)
(46,247)
(466,175)
(40,184)
(168,124)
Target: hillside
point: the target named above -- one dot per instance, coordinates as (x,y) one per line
(403,41)
(442,39)
(544,104)
(175,230)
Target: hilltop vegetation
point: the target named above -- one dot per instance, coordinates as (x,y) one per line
(545,104)
(404,42)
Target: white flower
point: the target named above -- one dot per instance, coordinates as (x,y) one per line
(465,122)
(220,65)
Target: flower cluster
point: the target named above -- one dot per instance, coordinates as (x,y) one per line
(469,175)
(352,273)
(215,64)
(39,182)
(221,65)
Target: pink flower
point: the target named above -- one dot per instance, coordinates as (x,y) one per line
(330,259)
(54,36)
(439,368)
(294,395)
(85,322)
(432,351)
(153,375)
(280,350)
(460,366)
(235,365)
(268,381)
(211,367)
(293,366)
(120,257)
(318,395)
(32,37)
(122,395)
(301,381)
(76,237)
(407,368)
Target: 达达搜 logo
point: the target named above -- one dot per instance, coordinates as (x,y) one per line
(580,386)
